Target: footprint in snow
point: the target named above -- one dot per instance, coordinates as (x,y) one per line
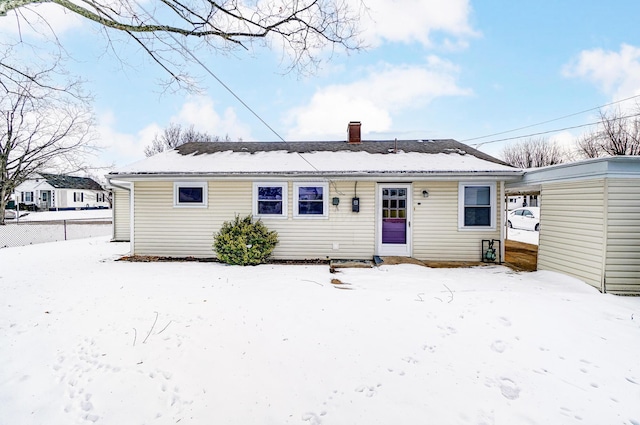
(498,346)
(368,391)
(509,389)
(504,321)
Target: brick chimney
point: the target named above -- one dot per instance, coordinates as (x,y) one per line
(353,132)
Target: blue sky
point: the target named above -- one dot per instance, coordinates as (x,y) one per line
(434,69)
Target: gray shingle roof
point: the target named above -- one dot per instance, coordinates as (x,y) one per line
(61,181)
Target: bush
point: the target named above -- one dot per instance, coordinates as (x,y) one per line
(244,242)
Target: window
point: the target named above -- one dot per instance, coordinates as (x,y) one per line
(190,194)
(310,200)
(27,197)
(78,197)
(270,200)
(99,197)
(477,206)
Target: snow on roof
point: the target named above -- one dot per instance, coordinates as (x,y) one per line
(403,157)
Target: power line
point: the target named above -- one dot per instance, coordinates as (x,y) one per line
(548,121)
(206,68)
(477,145)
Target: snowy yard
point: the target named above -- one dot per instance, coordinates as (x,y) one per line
(86,339)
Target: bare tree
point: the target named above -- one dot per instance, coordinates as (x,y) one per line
(301,29)
(589,146)
(533,153)
(42,128)
(174,136)
(618,133)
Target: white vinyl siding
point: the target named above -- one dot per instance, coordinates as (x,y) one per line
(351,234)
(162,230)
(121,215)
(572,230)
(435,225)
(623,236)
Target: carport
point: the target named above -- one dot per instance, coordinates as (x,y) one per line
(590,220)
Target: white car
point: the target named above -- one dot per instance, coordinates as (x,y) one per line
(527,218)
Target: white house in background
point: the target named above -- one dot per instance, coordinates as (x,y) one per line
(519,201)
(59,192)
(429,199)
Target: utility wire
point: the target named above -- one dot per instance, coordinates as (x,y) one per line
(548,121)
(477,145)
(206,68)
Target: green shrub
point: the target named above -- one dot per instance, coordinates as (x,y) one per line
(244,242)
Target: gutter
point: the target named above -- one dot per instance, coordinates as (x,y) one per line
(373,176)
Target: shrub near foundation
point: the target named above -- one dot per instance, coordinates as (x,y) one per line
(244,242)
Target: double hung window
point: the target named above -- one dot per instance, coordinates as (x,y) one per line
(310,200)
(477,206)
(270,200)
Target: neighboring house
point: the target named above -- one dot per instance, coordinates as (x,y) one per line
(56,192)
(519,201)
(590,220)
(432,199)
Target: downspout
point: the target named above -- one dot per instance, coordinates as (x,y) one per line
(503,222)
(605,236)
(113,210)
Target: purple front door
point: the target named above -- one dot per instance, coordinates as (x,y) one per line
(394,216)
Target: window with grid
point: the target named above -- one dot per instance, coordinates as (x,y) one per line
(477,206)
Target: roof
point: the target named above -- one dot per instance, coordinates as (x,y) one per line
(61,181)
(589,169)
(332,158)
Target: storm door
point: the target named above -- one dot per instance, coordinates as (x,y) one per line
(394,219)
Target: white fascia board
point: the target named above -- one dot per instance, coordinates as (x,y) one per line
(610,167)
(373,176)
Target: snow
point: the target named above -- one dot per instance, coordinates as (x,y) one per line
(87,339)
(527,236)
(102,214)
(283,161)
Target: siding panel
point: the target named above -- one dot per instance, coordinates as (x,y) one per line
(573,243)
(435,225)
(623,236)
(121,215)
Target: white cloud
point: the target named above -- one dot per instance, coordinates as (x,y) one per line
(615,73)
(122,148)
(416,20)
(38,20)
(200,112)
(125,148)
(386,91)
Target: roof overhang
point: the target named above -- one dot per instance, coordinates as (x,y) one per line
(490,175)
(599,168)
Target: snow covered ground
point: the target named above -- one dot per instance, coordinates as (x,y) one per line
(98,214)
(87,339)
(526,236)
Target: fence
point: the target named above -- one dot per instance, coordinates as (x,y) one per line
(34,232)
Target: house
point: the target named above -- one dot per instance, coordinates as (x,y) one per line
(61,192)
(428,199)
(589,220)
(522,200)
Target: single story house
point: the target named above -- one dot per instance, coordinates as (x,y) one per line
(428,199)
(589,220)
(57,191)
